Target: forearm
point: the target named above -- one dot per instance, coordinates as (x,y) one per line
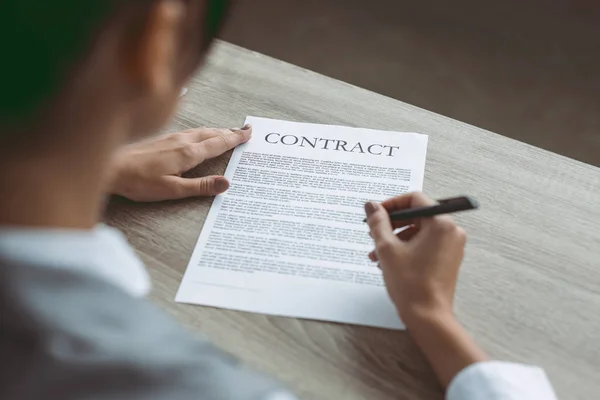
(461,365)
(445,343)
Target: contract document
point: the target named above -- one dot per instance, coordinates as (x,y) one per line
(288,237)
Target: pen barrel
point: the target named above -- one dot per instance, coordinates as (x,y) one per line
(445,206)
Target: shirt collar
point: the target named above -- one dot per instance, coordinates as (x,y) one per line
(103,252)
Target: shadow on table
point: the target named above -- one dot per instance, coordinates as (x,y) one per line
(390,361)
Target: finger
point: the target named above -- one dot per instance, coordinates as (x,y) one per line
(439,225)
(380,225)
(180,188)
(215,146)
(410,200)
(403,223)
(405,235)
(200,134)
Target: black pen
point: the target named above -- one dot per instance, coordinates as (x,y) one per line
(445,206)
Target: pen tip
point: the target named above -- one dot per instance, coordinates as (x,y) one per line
(474,202)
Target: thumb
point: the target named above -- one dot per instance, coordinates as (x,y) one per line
(193,187)
(379,222)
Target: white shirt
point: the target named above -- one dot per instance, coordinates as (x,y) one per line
(105,253)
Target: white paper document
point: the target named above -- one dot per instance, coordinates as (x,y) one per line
(288,237)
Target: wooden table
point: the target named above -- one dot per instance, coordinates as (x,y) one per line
(530,284)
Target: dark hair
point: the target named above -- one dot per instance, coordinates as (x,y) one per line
(42,40)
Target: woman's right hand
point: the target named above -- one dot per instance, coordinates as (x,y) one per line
(420,268)
(420,264)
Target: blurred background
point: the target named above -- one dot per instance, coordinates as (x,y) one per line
(527,69)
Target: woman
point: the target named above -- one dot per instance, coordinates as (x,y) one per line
(81,79)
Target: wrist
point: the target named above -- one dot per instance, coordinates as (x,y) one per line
(444,342)
(419,318)
(112,181)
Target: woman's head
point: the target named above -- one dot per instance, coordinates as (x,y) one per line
(94,60)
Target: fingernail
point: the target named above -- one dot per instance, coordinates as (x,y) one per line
(246,127)
(372,257)
(221,185)
(370,208)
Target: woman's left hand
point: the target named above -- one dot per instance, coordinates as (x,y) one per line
(151,170)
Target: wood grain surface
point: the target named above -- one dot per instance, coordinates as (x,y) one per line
(529,290)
